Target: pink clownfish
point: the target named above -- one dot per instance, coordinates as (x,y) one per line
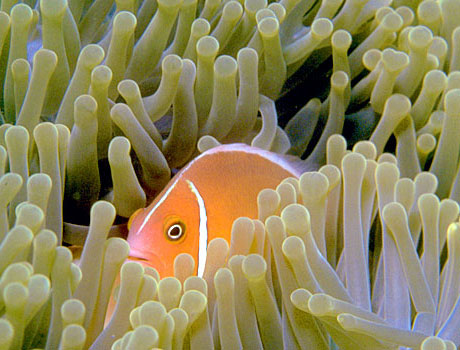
(201,202)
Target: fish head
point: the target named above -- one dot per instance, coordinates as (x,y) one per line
(170,225)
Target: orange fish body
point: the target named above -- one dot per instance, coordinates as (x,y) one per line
(201,202)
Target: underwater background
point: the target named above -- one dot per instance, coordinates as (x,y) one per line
(103,102)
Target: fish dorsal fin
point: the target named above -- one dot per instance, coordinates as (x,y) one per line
(292,163)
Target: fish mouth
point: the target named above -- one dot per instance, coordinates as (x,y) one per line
(134,258)
(147,259)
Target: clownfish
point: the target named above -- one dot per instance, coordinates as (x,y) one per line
(201,202)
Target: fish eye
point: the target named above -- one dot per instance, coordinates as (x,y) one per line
(175,231)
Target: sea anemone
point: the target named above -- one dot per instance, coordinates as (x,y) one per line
(103,101)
